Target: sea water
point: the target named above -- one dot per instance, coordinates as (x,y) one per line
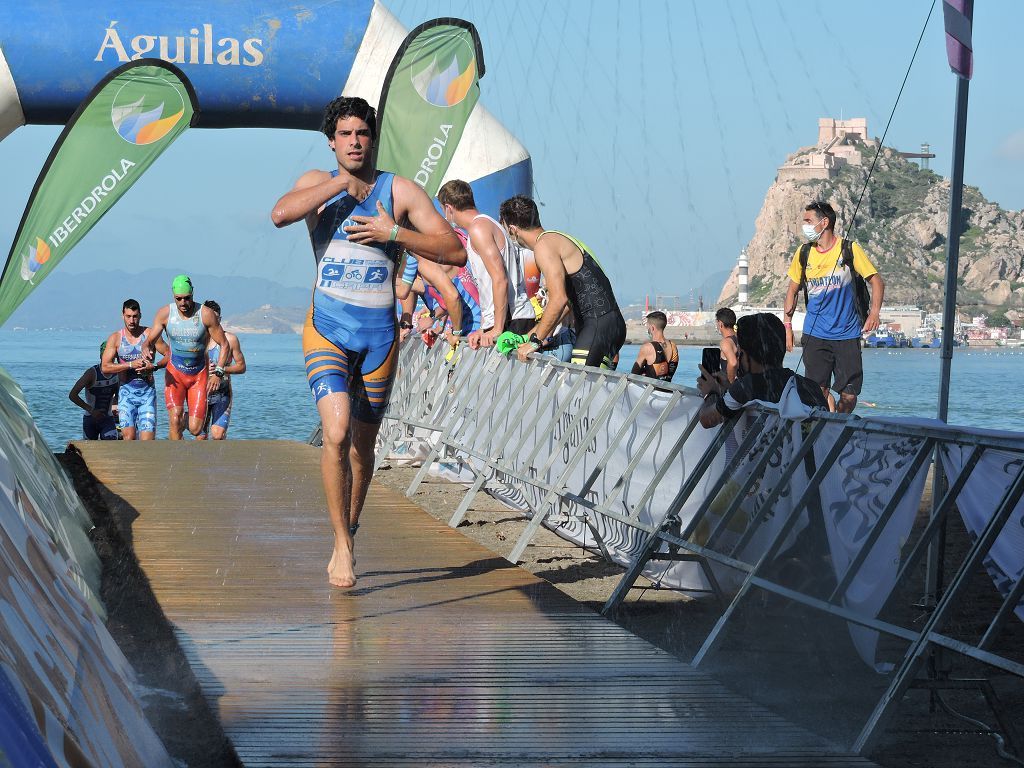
(272,400)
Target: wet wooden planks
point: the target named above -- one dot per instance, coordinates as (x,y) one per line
(444,654)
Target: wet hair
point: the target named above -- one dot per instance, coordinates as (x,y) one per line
(763,337)
(520,211)
(824,211)
(726,317)
(212,305)
(458,194)
(657,320)
(348,106)
(131,304)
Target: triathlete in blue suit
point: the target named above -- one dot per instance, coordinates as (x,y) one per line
(350,336)
(136,407)
(100,392)
(218,414)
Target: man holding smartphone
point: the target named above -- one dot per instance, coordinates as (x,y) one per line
(762,347)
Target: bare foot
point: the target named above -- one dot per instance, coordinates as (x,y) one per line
(341,570)
(334,559)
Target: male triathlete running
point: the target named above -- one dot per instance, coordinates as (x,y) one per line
(350,339)
(189,327)
(100,393)
(496,264)
(572,276)
(218,412)
(136,403)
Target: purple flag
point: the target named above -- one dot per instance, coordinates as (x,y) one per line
(959,17)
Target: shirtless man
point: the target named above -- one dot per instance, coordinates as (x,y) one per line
(136,406)
(189,327)
(495,263)
(573,278)
(725,322)
(659,357)
(350,341)
(218,412)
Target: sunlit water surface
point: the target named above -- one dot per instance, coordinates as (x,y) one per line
(272,399)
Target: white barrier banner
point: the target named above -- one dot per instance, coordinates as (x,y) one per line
(769,522)
(505,419)
(977,503)
(538,420)
(853,496)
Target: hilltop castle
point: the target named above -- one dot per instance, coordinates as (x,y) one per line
(834,149)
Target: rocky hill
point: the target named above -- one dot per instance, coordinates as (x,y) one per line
(901,223)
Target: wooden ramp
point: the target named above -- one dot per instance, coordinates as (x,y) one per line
(444,654)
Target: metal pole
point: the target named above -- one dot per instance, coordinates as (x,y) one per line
(956,197)
(937,551)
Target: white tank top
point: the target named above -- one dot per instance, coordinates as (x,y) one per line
(518,301)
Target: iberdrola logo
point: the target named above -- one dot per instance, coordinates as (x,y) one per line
(33,261)
(145,110)
(444,82)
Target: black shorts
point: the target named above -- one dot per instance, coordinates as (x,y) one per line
(834,363)
(522,325)
(599,339)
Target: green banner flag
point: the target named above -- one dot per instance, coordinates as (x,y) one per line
(429,93)
(127,121)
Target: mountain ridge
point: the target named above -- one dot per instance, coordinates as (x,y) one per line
(92,300)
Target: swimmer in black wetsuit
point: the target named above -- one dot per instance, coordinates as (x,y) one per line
(659,357)
(574,278)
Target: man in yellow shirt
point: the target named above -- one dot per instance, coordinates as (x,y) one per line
(833,327)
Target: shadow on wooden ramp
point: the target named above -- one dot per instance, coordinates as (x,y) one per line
(443,653)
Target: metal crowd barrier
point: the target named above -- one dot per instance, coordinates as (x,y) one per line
(743,492)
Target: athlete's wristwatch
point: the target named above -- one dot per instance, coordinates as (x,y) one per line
(218,371)
(405,325)
(536,342)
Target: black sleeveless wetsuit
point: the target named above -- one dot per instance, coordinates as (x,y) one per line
(600,328)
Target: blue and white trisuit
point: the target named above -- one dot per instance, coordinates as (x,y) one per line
(350,338)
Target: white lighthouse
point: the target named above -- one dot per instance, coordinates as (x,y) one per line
(742,279)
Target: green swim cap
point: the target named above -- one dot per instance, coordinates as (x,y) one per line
(182,285)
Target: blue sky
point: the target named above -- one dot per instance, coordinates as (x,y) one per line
(655,126)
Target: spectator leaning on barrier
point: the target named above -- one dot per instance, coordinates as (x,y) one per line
(762,347)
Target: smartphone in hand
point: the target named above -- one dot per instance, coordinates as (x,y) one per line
(711,359)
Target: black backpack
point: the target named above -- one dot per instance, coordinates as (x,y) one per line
(861,295)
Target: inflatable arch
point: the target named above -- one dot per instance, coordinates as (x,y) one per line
(270,64)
